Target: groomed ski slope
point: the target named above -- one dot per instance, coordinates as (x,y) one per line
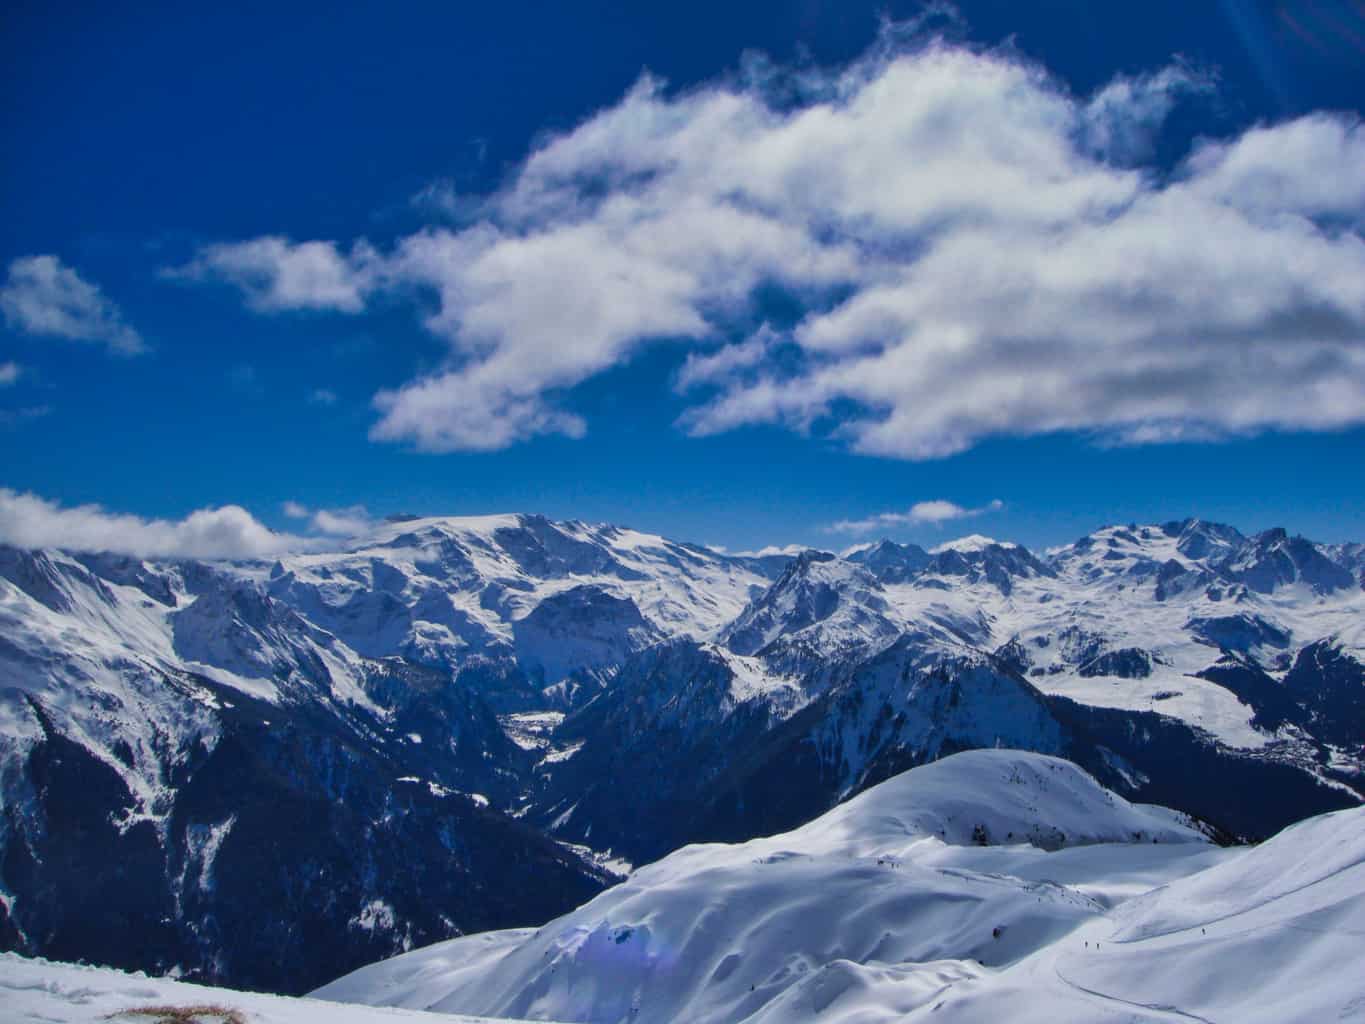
(56,993)
(1083,908)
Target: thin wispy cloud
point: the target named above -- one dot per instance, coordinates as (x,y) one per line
(9,373)
(977,252)
(43,296)
(931,513)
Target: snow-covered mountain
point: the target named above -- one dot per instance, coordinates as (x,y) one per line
(450,724)
(991,885)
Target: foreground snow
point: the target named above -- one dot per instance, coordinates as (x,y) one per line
(54,993)
(1083,908)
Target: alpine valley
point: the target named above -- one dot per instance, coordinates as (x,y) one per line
(268,774)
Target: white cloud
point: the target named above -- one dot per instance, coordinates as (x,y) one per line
(9,373)
(228,531)
(935,513)
(336,522)
(979,252)
(277,275)
(1122,120)
(721,366)
(1310,167)
(41,295)
(772,549)
(342,522)
(529,314)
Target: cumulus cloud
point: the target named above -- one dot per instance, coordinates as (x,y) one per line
(342,522)
(9,373)
(973,251)
(228,531)
(334,522)
(277,275)
(935,513)
(41,295)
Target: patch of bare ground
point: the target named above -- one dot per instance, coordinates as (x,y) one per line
(200,1014)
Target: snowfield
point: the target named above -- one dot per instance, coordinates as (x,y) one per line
(55,993)
(1082,907)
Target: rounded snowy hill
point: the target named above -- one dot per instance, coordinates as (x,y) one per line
(979,859)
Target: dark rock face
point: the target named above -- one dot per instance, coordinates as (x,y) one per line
(891,562)
(1200,540)
(1015,655)
(1238,633)
(1323,693)
(1269,698)
(1126,663)
(997,564)
(290,851)
(650,749)
(1330,685)
(659,767)
(1273,559)
(1155,759)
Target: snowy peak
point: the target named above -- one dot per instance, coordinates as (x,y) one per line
(983,797)
(977,559)
(584,627)
(891,562)
(1274,559)
(1202,541)
(49,577)
(819,599)
(970,544)
(1189,555)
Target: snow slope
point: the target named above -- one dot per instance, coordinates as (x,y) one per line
(784,927)
(56,993)
(1269,935)
(884,910)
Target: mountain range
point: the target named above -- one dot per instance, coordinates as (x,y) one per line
(267,773)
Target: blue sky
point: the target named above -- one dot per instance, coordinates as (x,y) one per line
(1090,264)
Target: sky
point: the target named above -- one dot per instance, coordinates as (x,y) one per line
(741,274)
